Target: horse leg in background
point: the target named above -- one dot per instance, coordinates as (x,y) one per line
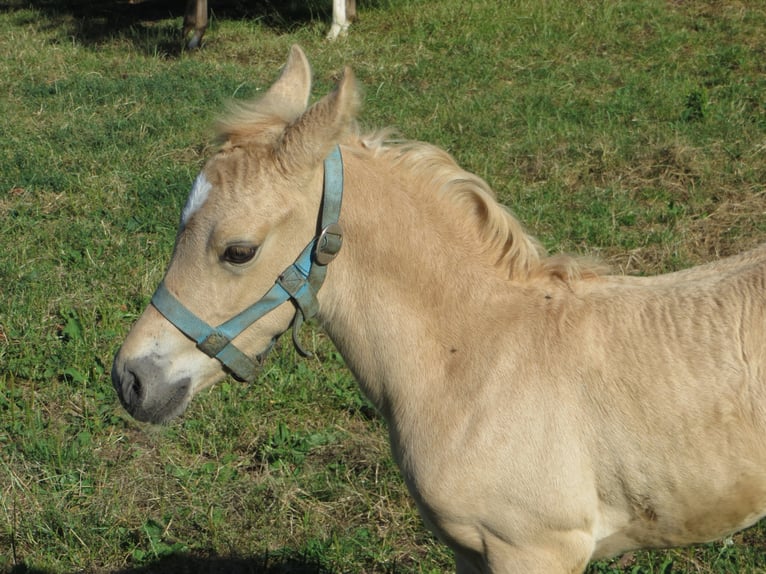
(340,18)
(195,20)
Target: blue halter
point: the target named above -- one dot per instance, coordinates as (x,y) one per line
(299,283)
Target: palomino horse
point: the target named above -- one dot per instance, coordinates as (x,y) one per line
(196,17)
(542,412)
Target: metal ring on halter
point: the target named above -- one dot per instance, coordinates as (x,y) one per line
(328,244)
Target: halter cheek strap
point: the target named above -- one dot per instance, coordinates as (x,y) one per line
(299,283)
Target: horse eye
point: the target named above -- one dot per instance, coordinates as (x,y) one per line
(239,254)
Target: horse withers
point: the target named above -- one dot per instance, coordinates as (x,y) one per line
(543,413)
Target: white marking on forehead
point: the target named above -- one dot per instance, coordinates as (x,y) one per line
(197,198)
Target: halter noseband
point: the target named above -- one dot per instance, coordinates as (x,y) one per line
(299,283)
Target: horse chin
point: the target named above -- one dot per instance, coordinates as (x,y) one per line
(161,407)
(162,415)
(259,360)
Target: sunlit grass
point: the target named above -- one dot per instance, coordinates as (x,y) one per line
(633,131)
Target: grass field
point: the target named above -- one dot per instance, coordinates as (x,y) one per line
(634,131)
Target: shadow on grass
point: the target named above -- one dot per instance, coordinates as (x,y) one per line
(22,569)
(148,23)
(190,564)
(95,21)
(186,564)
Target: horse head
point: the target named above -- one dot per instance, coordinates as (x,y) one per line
(252,228)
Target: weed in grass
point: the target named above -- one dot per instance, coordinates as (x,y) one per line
(694,107)
(155,535)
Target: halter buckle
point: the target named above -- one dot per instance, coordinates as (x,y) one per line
(328,244)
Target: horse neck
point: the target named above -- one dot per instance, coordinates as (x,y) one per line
(401,297)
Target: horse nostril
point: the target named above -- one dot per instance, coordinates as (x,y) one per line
(128,385)
(132,388)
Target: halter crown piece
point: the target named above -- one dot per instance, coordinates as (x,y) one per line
(299,283)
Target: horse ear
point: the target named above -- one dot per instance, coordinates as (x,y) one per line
(289,95)
(309,139)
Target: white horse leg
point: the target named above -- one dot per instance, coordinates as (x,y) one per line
(339,20)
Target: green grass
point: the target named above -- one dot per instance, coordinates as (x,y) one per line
(634,131)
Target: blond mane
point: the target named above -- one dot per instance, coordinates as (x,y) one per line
(503,237)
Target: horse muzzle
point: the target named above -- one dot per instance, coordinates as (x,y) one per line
(144,395)
(152,393)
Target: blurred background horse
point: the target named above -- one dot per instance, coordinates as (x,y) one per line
(196,20)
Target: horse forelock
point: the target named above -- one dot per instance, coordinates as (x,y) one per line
(502,237)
